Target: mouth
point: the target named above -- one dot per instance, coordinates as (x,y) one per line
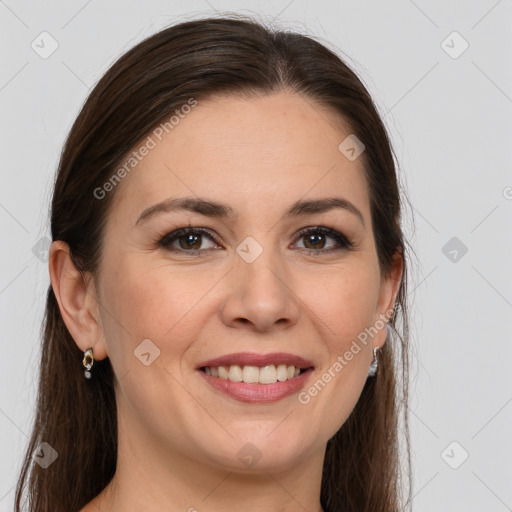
(250,374)
(253,368)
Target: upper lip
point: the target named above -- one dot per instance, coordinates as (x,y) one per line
(254,359)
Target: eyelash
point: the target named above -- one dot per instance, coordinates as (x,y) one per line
(342,240)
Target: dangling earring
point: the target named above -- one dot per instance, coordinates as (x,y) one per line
(375,363)
(88,361)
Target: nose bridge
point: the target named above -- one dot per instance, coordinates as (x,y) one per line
(261,292)
(262,268)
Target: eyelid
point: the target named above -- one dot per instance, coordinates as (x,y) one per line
(344,242)
(176,233)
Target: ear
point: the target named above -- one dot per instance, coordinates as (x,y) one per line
(76,296)
(390,284)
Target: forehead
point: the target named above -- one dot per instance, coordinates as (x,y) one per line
(258,154)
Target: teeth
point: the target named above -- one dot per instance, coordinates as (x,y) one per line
(254,374)
(235,373)
(250,374)
(282,372)
(267,375)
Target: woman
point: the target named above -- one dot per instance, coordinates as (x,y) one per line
(227,273)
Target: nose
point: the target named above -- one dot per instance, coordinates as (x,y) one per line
(260,295)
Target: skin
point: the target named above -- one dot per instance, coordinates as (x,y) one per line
(179,437)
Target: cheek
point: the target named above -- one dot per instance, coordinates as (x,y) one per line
(342,308)
(342,311)
(159,303)
(342,302)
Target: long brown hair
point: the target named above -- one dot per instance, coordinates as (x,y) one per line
(363,466)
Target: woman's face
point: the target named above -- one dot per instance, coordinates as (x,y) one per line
(258,286)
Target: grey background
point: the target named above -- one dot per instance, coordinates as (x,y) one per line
(451,124)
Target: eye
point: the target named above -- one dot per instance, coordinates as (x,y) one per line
(189,240)
(315,239)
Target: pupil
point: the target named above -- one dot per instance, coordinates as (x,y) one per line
(190,240)
(311,239)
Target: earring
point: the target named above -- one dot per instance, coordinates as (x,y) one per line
(88,361)
(375,363)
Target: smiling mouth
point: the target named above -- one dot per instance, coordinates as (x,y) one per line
(268,374)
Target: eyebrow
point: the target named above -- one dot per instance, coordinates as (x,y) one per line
(221,210)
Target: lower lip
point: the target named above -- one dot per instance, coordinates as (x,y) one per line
(258,393)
